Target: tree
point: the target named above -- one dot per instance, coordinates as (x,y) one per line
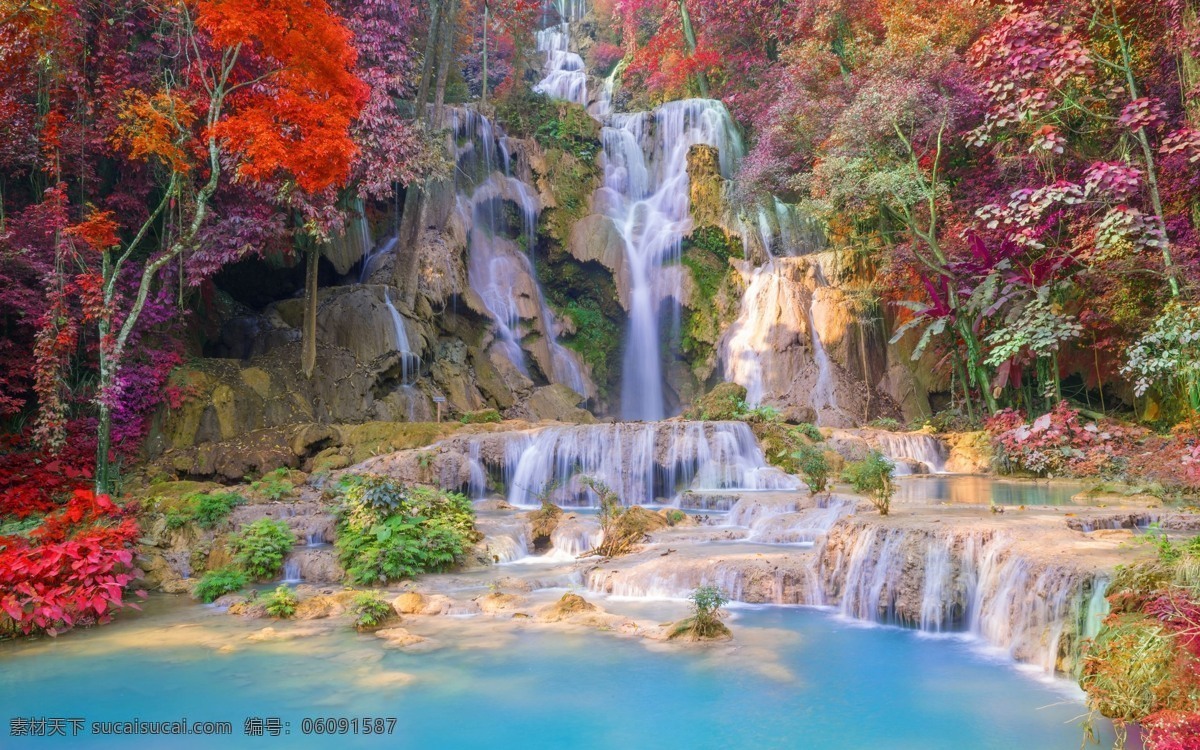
(872,477)
(267,91)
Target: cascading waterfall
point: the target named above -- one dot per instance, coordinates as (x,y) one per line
(643,463)
(823,396)
(409,362)
(913,446)
(977,582)
(769,306)
(497,270)
(645,191)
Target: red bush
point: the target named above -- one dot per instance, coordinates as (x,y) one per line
(33,482)
(1172,730)
(73,569)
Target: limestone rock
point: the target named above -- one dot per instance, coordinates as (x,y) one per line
(556,403)
(410,603)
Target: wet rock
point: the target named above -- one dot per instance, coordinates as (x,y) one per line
(399,637)
(557,403)
(568,606)
(410,603)
(497,603)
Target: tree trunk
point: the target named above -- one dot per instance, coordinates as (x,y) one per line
(427,65)
(486,14)
(445,57)
(308,355)
(690,36)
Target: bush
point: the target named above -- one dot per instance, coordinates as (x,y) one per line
(812,466)
(72,569)
(705,622)
(274,486)
(373,492)
(370,610)
(885,423)
(259,548)
(387,531)
(623,528)
(211,509)
(282,603)
(218,583)
(872,477)
(809,431)
(483,416)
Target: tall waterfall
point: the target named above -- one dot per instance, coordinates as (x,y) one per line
(497,269)
(645,191)
(409,362)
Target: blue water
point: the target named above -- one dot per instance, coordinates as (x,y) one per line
(794,678)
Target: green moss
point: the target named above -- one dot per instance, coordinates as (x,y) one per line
(706,253)
(596,337)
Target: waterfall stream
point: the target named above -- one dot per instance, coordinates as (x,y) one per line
(645,192)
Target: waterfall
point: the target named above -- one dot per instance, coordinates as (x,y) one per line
(565,77)
(643,463)
(646,194)
(498,270)
(645,191)
(979,582)
(823,396)
(913,446)
(936,589)
(770,308)
(291,571)
(400,337)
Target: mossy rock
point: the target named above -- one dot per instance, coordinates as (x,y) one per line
(722,403)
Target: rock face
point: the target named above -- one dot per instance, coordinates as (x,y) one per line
(797,344)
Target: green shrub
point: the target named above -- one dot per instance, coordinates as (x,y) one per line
(373,492)
(809,431)
(885,423)
(872,477)
(483,416)
(218,583)
(282,603)
(387,531)
(675,516)
(274,486)
(813,467)
(705,622)
(211,509)
(370,610)
(177,519)
(259,548)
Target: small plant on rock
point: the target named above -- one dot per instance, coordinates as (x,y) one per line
(705,622)
(809,431)
(218,583)
(210,509)
(274,485)
(282,603)
(371,611)
(872,477)
(259,548)
(813,467)
(623,528)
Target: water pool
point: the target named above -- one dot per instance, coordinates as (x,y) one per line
(793,678)
(943,489)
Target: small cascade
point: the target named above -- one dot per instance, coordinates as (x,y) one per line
(823,396)
(644,463)
(372,257)
(936,589)
(410,363)
(902,447)
(565,77)
(572,540)
(291,571)
(770,308)
(1097,608)
(315,538)
(972,581)
(806,527)
(477,486)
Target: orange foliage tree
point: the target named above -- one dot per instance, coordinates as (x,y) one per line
(266,90)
